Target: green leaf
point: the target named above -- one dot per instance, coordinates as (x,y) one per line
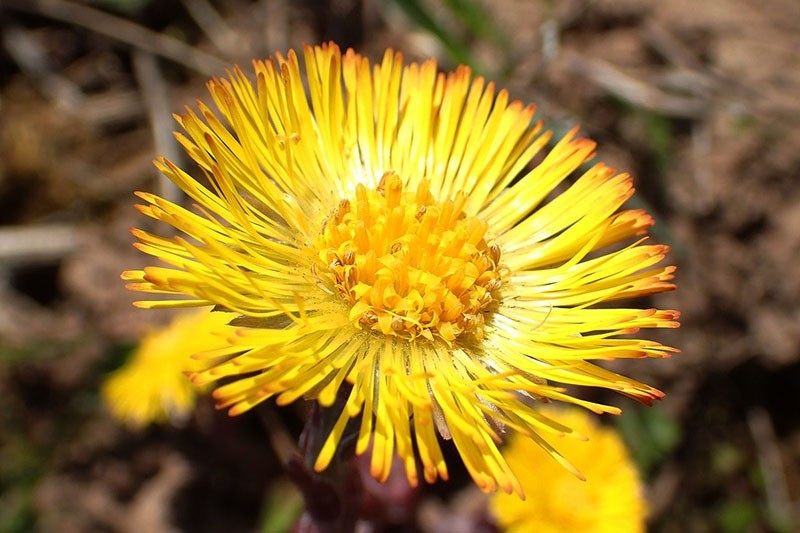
(736,516)
(419,14)
(650,434)
(282,507)
(477,20)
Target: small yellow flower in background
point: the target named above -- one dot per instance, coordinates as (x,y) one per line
(152,386)
(610,500)
(390,240)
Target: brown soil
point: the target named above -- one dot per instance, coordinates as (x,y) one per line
(698,100)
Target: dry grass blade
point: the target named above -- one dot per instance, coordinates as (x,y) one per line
(124,31)
(223,37)
(28,53)
(36,244)
(156,99)
(779,501)
(635,91)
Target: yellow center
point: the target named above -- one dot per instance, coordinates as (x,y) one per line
(409,266)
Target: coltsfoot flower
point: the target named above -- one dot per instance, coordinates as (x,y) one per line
(611,500)
(151,387)
(386,236)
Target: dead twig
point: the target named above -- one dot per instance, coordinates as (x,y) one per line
(111,107)
(156,99)
(551,40)
(37,244)
(669,47)
(31,58)
(219,32)
(122,30)
(702,174)
(275,34)
(776,486)
(689,73)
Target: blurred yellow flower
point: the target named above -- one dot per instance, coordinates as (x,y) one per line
(393,238)
(610,500)
(152,386)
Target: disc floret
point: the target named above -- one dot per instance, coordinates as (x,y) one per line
(410,266)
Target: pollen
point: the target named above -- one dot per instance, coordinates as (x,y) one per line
(407,265)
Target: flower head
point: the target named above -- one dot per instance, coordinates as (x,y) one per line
(611,499)
(152,386)
(387,236)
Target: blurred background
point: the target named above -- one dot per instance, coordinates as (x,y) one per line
(700,101)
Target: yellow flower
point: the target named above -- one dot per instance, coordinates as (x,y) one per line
(388,236)
(152,386)
(610,500)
